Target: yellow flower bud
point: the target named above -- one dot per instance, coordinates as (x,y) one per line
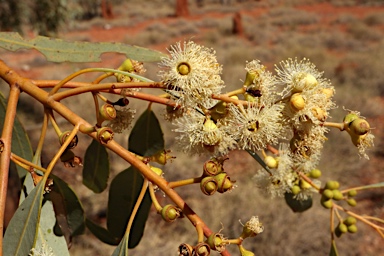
(297,102)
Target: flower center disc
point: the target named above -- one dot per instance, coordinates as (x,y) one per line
(183,69)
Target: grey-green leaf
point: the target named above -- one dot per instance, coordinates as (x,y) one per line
(21,231)
(122,248)
(101,233)
(96,167)
(297,205)
(146,138)
(46,238)
(20,141)
(58,50)
(124,191)
(70,219)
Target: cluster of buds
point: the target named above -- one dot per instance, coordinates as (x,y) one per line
(201,249)
(215,179)
(347,225)
(331,192)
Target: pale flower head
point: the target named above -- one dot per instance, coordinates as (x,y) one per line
(281,178)
(192,74)
(255,127)
(262,85)
(298,75)
(200,134)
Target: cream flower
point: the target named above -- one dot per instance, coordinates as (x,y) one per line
(260,83)
(192,74)
(281,179)
(255,127)
(200,134)
(298,76)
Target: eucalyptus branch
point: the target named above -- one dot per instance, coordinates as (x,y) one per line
(6,140)
(42,96)
(26,164)
(139,199)
(179,183)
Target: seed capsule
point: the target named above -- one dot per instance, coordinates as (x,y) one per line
(209,185)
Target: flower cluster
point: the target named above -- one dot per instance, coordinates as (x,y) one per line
(290,107)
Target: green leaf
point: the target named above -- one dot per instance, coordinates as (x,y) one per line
(146,138)
(20,141)
(259,160)
(46,236)
(101,233)
(70,220)
(297,205)
(21,232)
(96,167)
(333,251)
(58,50)
(122,249)
(124,191)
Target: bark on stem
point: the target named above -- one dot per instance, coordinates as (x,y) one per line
(5,157)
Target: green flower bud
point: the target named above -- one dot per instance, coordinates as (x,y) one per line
(327,193)
(343,228)
(162,157)
(352,202)
(332,184)
(352,193)
(337,195)
(352,229)
(304,185)
(249,78)
(350,221)
(126,66)
(327,203)
(350,118)
(295,189)
(315,173)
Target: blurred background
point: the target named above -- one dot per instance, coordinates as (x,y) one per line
(345,39)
